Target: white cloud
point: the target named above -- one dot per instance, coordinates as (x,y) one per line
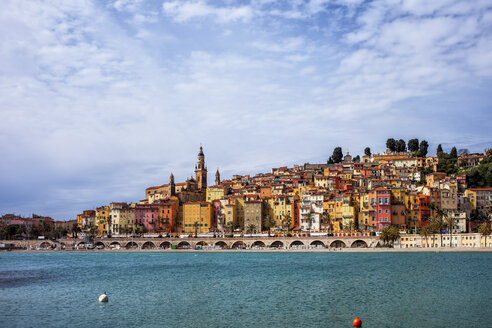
(182,11)
(97,103)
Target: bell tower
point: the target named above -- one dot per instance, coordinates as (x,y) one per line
(201,171)
(172,186)
(217,178)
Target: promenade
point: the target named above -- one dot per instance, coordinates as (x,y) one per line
(341,243)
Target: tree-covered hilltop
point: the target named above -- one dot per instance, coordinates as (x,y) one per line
(481,175)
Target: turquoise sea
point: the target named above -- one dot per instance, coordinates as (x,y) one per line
(245,289)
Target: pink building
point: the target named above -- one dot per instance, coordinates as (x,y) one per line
(216,207)
(147,215)
(383,208)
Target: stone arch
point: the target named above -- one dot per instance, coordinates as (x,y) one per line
(338,244)
(238,244)
(201,243)
(258,243)
(148,245)
(115,244)
(277,244)
(100,245)
(131,245)
(318,244)
(221,244)
(297,243)
(46,245)
(184,244)
(165,245)
(359,244)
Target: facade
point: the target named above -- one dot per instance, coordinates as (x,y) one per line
(197,217)
(253,213)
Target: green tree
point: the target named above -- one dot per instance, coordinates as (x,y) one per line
(384,236)
(286,221)
(251,228)
(75,230)
(439,150)
(337,155)
(230,227)
(195,229)
(393,234)
(356,159)
(424,233)
(269,223)
(424,146)
(453,153)
(439,220)
(309,218)
(330,161)
(413,145)
(367,151)
(484,230)
(450,223)
(391,144)
(401,146)
(93,232)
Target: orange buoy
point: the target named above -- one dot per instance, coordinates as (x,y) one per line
(357,322)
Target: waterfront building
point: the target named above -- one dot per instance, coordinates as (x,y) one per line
(87,219)
(311,212)
(102,214)
(197,217)
(118,218)
(383,207)
(277,207)
(480,199)
(147,217)
(253,213)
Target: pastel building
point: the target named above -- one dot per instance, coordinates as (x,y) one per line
(253,213)
(197,217)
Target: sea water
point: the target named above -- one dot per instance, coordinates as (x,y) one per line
(61,289)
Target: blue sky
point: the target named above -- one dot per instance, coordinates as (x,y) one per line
(101,99)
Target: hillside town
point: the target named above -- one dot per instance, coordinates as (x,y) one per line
(397,188)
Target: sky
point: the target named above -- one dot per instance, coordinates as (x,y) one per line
(102,99)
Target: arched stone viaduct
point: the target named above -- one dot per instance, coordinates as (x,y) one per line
(225,243)
(233,243)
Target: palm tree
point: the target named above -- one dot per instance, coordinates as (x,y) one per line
(286,220)
(93,232)
(75,230)
(230,227)
(195,228)
(439,219)
(450,222)
(309,218)
(424,233)
(384,235)
(251,228)
(393,234)
(484,230)
(269,223)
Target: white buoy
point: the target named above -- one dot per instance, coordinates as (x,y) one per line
(103,298)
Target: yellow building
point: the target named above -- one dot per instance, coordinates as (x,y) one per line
(411,209)
(277,207)
(102,214)
(214,193)
(480,199)
(197,217)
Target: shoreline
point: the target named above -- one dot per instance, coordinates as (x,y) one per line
(314,250)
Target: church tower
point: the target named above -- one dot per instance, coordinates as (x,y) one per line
(172,186)
(201,171)
(217,178)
